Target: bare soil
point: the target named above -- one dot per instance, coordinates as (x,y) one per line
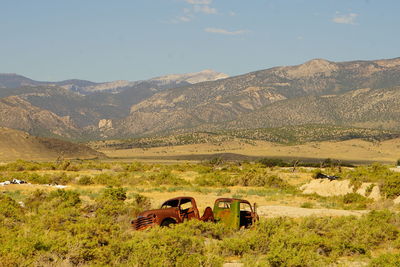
(295,212)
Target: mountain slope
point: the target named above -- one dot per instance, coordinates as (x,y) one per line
(230,99)
(356,93)
(17,113)
(11,80)
(379,108)
(16,144)
(86,104)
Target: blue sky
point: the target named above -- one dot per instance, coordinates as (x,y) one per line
(103,40)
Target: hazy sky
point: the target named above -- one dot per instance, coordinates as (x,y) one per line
(102,40)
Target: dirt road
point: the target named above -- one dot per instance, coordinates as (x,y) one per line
(294,212)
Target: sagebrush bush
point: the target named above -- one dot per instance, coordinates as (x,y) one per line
(267,162)
(350,198)
(85,180)
(391,186)
(386,260)
(61,230)
(217,178)
(388,181)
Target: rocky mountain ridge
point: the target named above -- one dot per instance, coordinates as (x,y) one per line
(264,94)
(12,80)
(353,94)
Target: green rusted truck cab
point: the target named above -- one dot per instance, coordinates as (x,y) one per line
(235,213)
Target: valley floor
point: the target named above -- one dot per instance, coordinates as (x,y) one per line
(357,151)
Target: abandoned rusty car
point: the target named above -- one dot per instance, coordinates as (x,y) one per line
(235,213)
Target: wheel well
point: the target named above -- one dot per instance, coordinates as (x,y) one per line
(168,220)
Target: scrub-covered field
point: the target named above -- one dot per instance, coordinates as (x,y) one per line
(88,221)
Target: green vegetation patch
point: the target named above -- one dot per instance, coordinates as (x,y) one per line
(388,180)
(98,233)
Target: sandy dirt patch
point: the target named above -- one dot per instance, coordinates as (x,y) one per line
(326,188)
(295,212)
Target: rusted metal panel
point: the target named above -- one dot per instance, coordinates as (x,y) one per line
(234,213)
(175,210)
(227,212)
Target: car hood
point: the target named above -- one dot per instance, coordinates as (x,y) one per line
(158,212)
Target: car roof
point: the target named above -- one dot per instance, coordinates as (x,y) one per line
(177,198)
(225,199)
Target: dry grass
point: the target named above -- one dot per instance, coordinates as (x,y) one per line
(351,150)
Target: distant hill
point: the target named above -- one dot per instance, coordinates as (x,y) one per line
(82,105)
(355,94)
(318,91)
(287,135)
(16,144)
(12,80)
(18,113)
(369,108)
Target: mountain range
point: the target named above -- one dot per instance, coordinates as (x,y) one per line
(353,94)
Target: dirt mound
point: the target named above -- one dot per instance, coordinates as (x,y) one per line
(16,144)
(294,212)
(328,188)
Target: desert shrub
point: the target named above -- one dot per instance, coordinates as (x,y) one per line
(93,165)
(141,201)
(389,181)
(97,235)
(205,180)
(202,169)
(372,173)
(65,198)
(85,180)
(57,198)
(398,162)
(10,210)
(112,205)
(64,165)
(35,199)
(23,165)
(60,178)
(275,182)
(307,205)
(165,177)
(386,260)
(251,178)
(355,201)
(267,162)
(214,179)
(318,240)
(353,198)
(114,194)
(136,167)
(106,179)
(391,186)
(261,179)
(217,161)
(180,245)
(369,189)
